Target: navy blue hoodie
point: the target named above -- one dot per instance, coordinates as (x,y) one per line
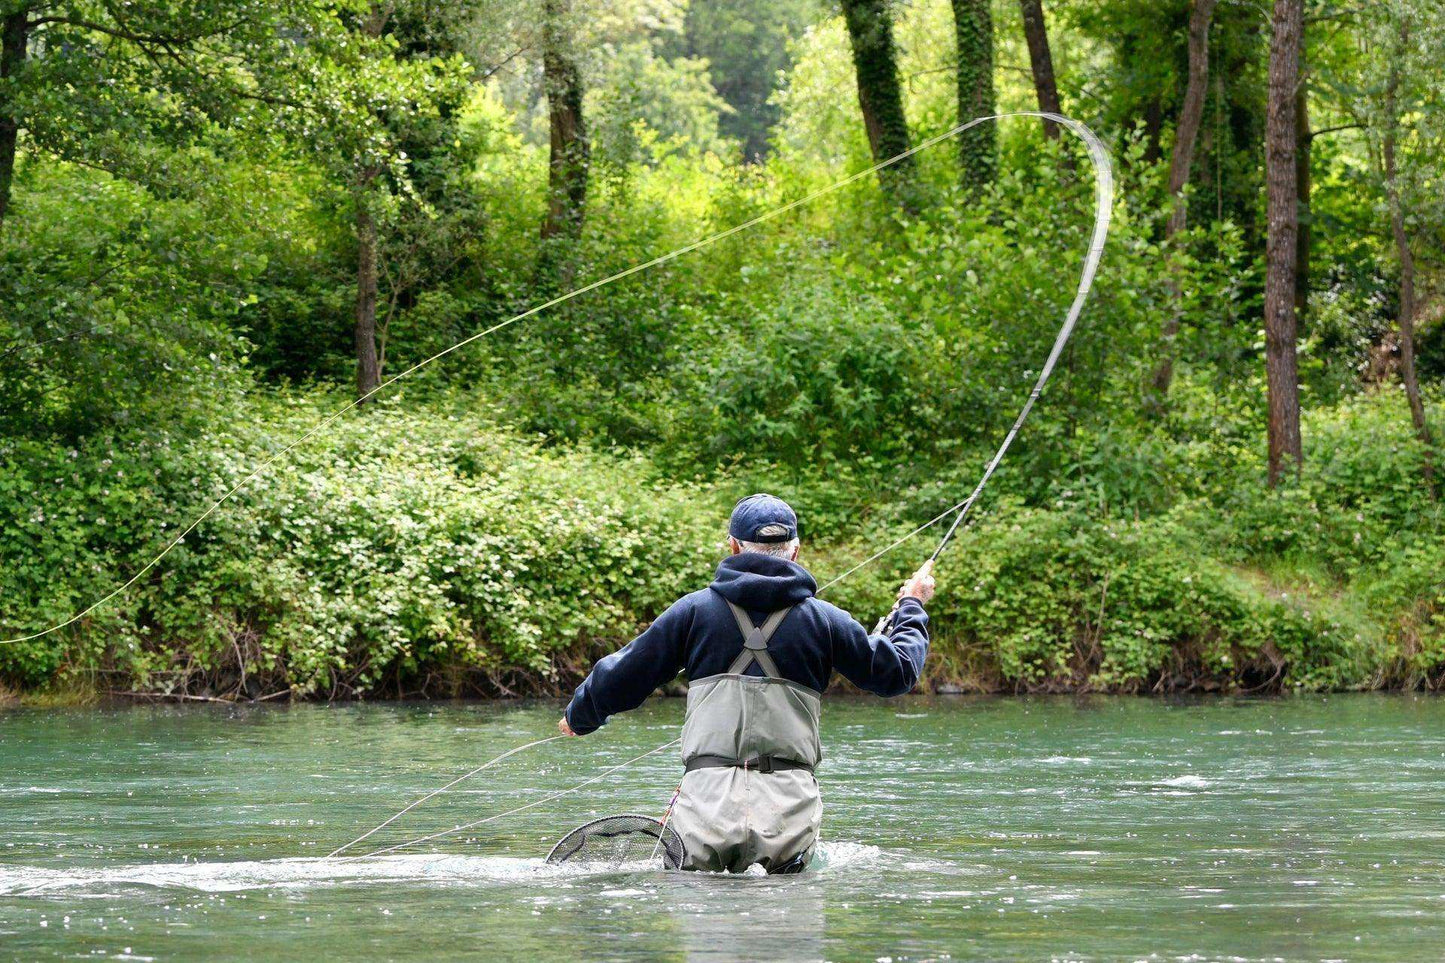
(698,635)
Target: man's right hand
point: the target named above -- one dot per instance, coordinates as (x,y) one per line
(920,586)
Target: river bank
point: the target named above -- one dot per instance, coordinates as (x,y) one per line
(444,554)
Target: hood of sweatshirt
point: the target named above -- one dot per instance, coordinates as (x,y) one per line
(763,583)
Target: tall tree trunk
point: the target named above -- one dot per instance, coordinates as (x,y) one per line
(1282,203)
(1191,115)
(1406,256)
(14,36)
(570,153)
(1041,62)
(973,40)
(1304,149)
(368,363)
(870,33)
(1186,135)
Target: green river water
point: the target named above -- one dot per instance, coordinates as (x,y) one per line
(954,828)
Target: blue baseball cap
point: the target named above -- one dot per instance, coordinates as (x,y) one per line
(763,518)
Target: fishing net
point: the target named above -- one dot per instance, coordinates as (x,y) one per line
(614,841)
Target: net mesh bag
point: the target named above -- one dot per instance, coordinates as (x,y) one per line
(614,841)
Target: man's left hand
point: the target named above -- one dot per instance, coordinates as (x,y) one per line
(564,727)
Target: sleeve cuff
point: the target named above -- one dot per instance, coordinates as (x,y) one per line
(578,729)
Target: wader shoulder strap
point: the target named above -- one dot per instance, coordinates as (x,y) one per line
(755,641)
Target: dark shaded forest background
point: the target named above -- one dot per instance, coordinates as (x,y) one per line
(222,220)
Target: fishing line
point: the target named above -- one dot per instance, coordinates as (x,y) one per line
(437,792)
(512,812)
(1103,177)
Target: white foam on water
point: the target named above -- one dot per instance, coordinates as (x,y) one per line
(1186,782)
(834,856)
(314,873)
(301,873)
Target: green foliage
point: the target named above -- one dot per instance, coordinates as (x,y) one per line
(440,545)
(746,46)
(178,266)
(429,540)
(117,307)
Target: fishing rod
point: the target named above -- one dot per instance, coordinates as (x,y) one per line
(1103,205)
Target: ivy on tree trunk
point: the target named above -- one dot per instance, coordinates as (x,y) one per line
(973,40)
(870,33)
(570,154)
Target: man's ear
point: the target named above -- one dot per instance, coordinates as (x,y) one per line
(794,556)
(734,546)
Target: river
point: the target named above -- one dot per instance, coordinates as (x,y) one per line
(1306,828)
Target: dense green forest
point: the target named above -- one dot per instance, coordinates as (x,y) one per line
(223,220)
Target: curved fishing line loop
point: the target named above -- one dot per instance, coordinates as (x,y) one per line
(1103,210)
(437,792)
(512,812)
(1103,178)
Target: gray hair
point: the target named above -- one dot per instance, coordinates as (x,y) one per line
(777,549)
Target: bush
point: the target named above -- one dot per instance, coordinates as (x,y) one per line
(400,544)
(431,548)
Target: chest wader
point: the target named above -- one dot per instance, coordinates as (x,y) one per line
(750,744)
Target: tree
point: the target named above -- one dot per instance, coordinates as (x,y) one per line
(1282,197)
(973,40)
(1400,235)
(1041,62)
(746,46)
(870,33)
(14,43)
(103,84)
(368,361)
(375,91)
(1186,132)
(569,154)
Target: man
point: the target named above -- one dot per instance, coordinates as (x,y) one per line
(758,649)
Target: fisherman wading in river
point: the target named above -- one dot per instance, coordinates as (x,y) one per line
(758,649)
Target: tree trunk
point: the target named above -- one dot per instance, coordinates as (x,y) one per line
(13,41)
(1282,204)
(973,40)
(1041,61)
(1304,147)
(1186,134)
(1191,115)
(570,153)
(1153,131)
(1407,258)
(870,32)
(368,364)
